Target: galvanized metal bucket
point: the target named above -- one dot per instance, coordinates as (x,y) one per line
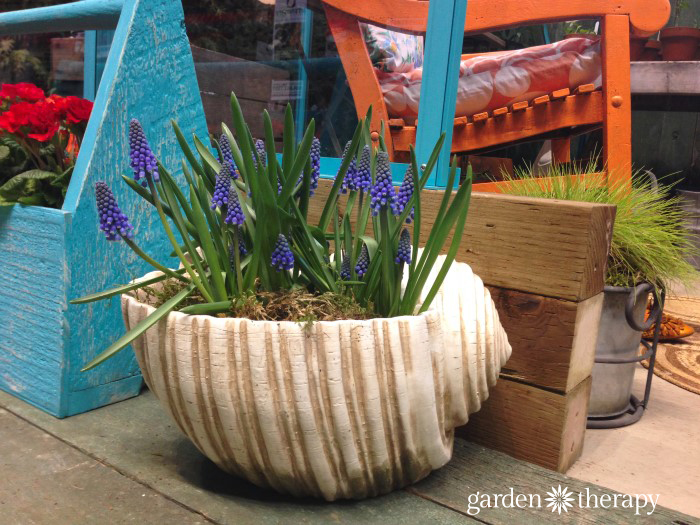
(617,350)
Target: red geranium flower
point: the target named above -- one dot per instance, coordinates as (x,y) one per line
(23,90)
(78,109)
(43,121)
(16,117)
(60,104)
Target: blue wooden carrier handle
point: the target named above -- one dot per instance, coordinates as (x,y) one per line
(77,16)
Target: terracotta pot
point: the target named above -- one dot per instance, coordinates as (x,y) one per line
(652,51)
(343,409)
(637,47)
(679,43)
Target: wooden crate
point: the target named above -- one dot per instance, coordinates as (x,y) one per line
(50,256)
(544,263)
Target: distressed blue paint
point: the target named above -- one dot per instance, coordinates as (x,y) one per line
(90,65)
(51,256)
(438,96)
(32,303)
(76,16)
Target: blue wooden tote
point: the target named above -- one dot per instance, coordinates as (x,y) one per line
(47,256)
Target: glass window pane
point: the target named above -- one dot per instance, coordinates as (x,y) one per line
(271,54)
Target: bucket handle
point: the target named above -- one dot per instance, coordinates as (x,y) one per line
(637,294)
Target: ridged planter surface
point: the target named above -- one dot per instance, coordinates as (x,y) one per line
(344,409)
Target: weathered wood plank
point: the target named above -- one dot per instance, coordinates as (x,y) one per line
(532,424)
(541,246)
(475,469)
(32,303)
(672,78)
(553,340)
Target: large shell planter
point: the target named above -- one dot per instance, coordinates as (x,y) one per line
(344,409)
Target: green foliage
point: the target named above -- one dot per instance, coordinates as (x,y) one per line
(649,242)
(577,27)
(274,194)
(36,187)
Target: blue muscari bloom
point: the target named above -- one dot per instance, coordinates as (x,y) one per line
(362,261)
(262,153)
(222,187)
(404,253)
(242,250)
(345,273)
(226,158)
(282,256)
(143,161)
(405,194)
(351,172)
(112,221)
(315,155)
(234,213)
(363,175)
(382,193)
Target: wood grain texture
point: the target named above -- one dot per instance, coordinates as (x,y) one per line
(343,409)
(532,424)
(541,246)
(32,304)
(553,340)
(477,469)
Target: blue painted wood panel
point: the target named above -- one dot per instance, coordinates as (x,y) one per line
(56,255)
(152,79)
(438,96)
(32,303)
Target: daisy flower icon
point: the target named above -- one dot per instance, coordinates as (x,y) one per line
(560,499)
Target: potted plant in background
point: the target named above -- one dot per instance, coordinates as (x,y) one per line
(40,138)
(309,358)
(649,249)
(679,43)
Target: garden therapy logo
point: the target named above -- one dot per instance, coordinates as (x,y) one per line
(561,501)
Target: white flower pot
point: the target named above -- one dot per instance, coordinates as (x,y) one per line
(344,409)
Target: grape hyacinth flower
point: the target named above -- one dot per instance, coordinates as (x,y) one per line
(143,161)
(234,213)
(226,158)
(351,172)
(262,154)
(282,256)
(222,188)
(405,194)
(382,193)
(362,261)
(404,252)
(345,268)
(315,155)
(112,221)
(363,175)
(242,250)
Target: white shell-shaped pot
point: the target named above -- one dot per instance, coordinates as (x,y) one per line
(344,409)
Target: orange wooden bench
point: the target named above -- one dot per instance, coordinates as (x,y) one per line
(557,116)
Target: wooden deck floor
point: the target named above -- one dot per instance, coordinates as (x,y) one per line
(127,463)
